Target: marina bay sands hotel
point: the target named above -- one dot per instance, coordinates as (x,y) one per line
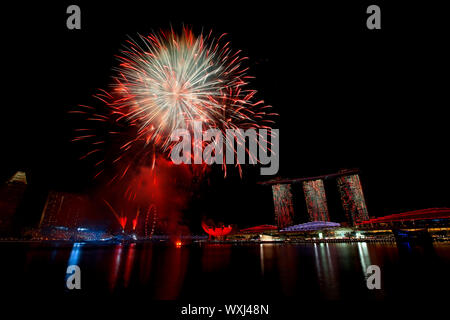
(348,184)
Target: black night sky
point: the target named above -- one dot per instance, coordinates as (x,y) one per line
(348,97)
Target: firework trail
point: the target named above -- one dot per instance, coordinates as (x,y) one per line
(165,82)
(121,219)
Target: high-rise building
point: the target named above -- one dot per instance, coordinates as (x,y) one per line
(284,208)
(352,198)
(316,200)
(62,209)
(11,194)
(349,187)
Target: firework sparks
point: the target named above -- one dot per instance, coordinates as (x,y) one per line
(166,82)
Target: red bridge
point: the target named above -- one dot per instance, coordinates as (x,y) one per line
(424,214)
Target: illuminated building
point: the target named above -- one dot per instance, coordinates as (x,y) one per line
(11,195)
(349,186)
(258,229)
(284,209)
(316,201)
(218,232)
(314,225)
(63,209)
(352,198)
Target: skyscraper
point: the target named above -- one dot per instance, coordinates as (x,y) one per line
(62,209)
(352,198)
(284,208)
(11,194)
(316,200)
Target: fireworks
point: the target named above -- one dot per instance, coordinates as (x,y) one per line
(166,81)
(162,83)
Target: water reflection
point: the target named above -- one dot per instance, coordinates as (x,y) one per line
(164,271)
(171,273)
(261,258)
(129,264)
(364,256)
(74,258)
(215,257)
(115,266)
(74,254)
(288,264)
(145,267)
(267,256)
(326,275)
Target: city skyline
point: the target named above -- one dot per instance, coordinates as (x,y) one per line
(227,159)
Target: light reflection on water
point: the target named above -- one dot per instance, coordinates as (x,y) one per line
(164,271)
(115,266)
(74,254)
(364,255)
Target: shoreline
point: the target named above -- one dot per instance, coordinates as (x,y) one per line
(109,242)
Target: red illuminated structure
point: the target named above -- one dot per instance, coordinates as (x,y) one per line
(261,228)
(316,200)
(217,232)
(283,205)
(352,197)
(64,209)
(348,183)
(417,215)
